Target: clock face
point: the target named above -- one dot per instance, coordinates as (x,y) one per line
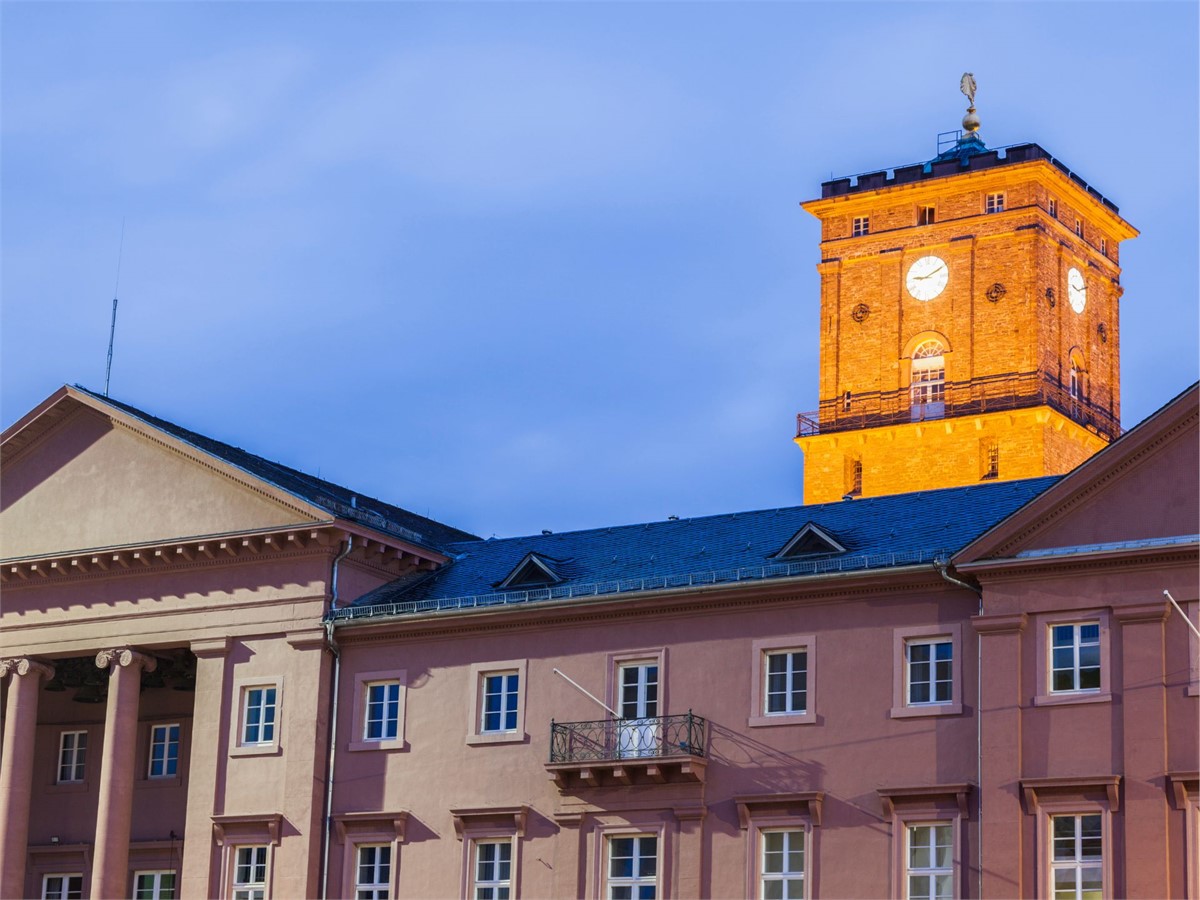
(1076,290)
(927,278)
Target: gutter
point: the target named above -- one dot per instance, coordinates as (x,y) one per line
(331,643)
(943,568)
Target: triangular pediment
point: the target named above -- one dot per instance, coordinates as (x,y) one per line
(1145,487)
(532,571)
(76,478)
(810,540)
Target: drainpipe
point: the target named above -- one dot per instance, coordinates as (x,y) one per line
(331,643)
(943,568)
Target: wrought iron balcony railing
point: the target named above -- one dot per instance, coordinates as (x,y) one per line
(995,393)
(627,739)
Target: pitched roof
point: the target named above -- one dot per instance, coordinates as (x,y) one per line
(877,532)
(338,501)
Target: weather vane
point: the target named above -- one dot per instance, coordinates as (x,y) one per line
(967,86)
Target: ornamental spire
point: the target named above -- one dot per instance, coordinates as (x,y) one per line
(970,121)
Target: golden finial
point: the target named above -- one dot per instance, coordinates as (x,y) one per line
(970,121)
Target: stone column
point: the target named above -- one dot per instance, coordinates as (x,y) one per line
(1001,819)
(16,768)
(110,867)
(206,770)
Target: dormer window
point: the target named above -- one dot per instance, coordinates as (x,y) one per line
(532,571)
(811,540)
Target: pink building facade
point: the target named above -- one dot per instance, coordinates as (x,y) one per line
(223,678)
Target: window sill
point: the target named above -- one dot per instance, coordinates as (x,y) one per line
(499,737)
(933,709)
(1193,690)
(808,718)
(255,750)
(70,787)
(1072,698)
(165,781)
(357,746)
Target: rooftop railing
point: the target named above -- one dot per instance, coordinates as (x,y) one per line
(925,402)
(654,737)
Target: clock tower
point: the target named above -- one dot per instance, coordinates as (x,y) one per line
(969,326)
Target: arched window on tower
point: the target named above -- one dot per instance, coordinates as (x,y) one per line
(927,389)
(1075,381)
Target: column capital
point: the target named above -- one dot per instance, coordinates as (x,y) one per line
(124,656)
(23,665)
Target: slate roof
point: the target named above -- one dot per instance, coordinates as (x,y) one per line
(878,532)
(332,498)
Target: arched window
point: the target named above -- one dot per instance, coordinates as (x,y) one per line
(927,389)
(1075,376)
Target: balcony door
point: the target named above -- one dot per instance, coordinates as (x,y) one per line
(928,383)
(638,731)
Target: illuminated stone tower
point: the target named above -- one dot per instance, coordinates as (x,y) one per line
(969,326)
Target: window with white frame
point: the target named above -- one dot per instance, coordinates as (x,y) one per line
(1079,227)
(158,885)
(786,688)
(501,693)
(994,203)
(1075,657)
(258,714)
(373,872)
(927,381)
(1104,246)
(861,226)
(72,756)
(164,751)
(250,873)
(62,887)
(929,861)
(929,671)
(492,870)
(781,864)
(1077,858)
(381,716)
(1053,208)
(926,215)
(632,868)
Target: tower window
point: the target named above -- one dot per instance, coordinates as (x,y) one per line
(1053,208)
(990,460)
(928,382)
(862,225)
(853,477)
(995,203)
(926,215)
(1079,227)
(1104,246)
(846,402)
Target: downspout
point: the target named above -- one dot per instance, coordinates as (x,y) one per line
(943,569)
(331,643)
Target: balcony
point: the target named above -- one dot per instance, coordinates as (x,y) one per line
(995,393)
(615,752)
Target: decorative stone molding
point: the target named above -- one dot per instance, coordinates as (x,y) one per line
(891,797)
(378,823)
(1006,624)
(24,666)
(1181,784)
(265,828)
(204,648)
(122,657)
(804,803)
(513,817)
(1147,612)
(1035,789)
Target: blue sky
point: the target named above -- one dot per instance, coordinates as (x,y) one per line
(536,265)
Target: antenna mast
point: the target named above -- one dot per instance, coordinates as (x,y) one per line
(112,329)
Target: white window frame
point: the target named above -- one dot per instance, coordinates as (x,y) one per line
(932,871)
(508,683)
(790,674)
(476,702)
(994,203)
(156,888)
(64,890)
(358,728)
(1045,655)
(762,649)
(244,726)
(1077,645)
(378,888)
(1053,208)
(76,755)
(1104,246)
(860,226)
(786,876)
(252,889)
(1076,863)
(902,638)
(495,888)
(390,703)
(1079,227)
(933,643)
(170,767)
(638,879)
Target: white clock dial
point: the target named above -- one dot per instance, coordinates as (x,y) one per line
(1076,290)
(927,278)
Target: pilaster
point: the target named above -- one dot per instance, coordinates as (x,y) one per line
(206,769)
